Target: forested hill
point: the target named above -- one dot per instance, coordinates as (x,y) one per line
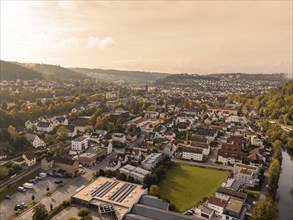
(54,71)
(275,105)
(189,79)
(278,104)
(12,71)
(122,75)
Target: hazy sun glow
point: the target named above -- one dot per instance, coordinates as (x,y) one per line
(191,36)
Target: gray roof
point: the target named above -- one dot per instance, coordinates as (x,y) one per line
(154,202)
(130,216)
(158,214)
(30,137)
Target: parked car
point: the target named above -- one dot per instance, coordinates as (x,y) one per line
(58,181)
(21,205)
(8,197)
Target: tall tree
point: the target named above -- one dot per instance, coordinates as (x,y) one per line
(40,212)
(265,210)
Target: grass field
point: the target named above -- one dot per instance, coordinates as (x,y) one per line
(185,185)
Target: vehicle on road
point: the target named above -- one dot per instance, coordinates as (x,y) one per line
(21,189)
(43,175)
(28,185)
(8,197)
(21,205)
(58,181)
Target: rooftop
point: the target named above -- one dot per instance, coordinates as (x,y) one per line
(234,205)
(121,194)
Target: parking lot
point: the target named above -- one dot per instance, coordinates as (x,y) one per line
(38,190)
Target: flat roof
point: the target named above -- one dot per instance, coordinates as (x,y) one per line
(245,166)
(234,205)
(119,193)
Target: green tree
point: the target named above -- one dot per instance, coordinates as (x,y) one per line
(40,212)
(129,179)
(4,172)
(154,190)
(121,176)
(72,218)
(274,174)
(62,132)
(265,210)
(83,212)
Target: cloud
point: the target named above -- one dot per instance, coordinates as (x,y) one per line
(100,43)
(67,4)
(70,42)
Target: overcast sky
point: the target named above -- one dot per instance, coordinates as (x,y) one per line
(168,36)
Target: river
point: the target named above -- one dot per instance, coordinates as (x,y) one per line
(285,190)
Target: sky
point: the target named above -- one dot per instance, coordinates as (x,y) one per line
(167,36)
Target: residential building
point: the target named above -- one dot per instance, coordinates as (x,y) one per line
(151,114)
(120,137)
(235,209)
(45,127)
(87,159)
(70,167)
(190,153)
(34,140)
(206,149)
(229,154)
(232,184)
(80,144)
(217,204)
(246,174)
(29,158)
(151,161)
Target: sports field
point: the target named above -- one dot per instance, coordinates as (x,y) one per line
(184,184)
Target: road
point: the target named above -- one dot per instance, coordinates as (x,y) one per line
(69,189)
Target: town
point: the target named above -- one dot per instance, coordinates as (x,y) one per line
(131,152)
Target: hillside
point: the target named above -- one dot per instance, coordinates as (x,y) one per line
(122,75)
(12,71)
(278,104)
(54,71)
(192,79)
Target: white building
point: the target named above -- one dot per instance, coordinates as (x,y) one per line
(206,149)
(247,174)
(80,144)
(256,141)
(151,161)
(151,114)
(217,204)
(35,140)
(190,153)
(110,95)
(120,137)
(29,125)
(45,127)
(136,172)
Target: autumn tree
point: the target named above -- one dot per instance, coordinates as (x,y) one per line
(154,190)
(40,212)
(265,210)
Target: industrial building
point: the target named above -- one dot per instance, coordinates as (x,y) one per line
(123,200)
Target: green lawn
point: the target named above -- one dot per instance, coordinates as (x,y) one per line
(185,185)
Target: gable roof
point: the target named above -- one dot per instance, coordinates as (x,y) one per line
(29,155)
